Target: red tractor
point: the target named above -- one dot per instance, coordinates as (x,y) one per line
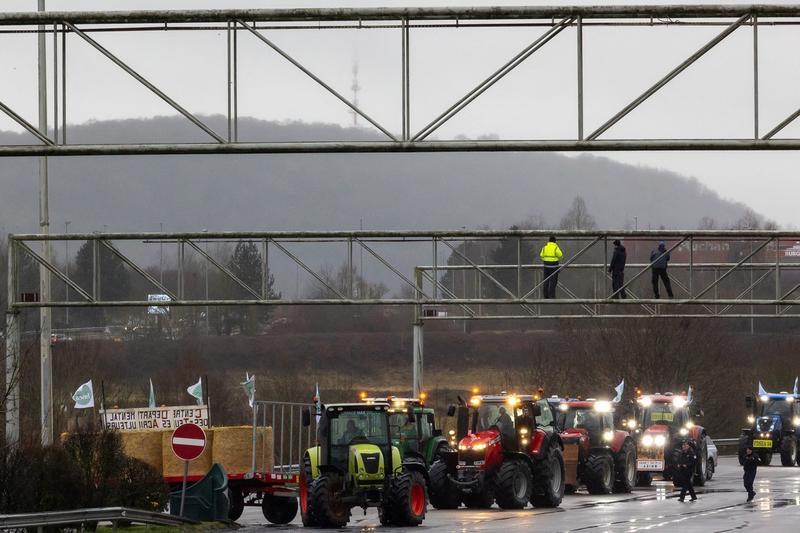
(509,452)
(664,422)
(606,457)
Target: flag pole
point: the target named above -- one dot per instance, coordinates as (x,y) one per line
(105,408)
(208,398)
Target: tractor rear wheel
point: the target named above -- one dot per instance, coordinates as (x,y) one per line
(710,469)
(598,473)
(442,493)
(278,509)
(550,477)
(324,505)
(513,485)
(407,500)
(236,507)
(788,451)
(625,467)
(302,493)
(644,479)
(702,463)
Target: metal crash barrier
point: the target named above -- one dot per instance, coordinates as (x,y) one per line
(79,517)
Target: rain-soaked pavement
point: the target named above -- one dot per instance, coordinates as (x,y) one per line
(721,507)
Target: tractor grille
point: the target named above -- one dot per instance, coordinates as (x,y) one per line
(764,424)
(372,462)
(469,457)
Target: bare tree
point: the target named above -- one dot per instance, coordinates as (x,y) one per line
(578,217)
(707,223)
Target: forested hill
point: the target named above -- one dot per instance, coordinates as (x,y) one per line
(386,191)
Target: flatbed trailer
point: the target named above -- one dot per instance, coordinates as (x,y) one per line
(275,488)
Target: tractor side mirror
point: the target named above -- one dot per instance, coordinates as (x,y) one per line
(306,417)
(410,414)
(462,421)
(748,402)
(437,433)
(430,418)
(451,410)
(537,410)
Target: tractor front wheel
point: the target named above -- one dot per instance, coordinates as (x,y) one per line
(278,509)
(766,458)
(644,479)
(302,493)
(625,466)
(407,500)
(550,480)
(788,451)
(324,505)
(513,485)
(702,464)
(442,493)
(599,473)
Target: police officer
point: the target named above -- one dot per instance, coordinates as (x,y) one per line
(550,255)
(685,470)
(617,269)
(750,464)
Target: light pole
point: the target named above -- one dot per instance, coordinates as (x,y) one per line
(66,266)
(205,273)
(161,253)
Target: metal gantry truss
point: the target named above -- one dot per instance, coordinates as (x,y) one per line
(261,24)
(716,274)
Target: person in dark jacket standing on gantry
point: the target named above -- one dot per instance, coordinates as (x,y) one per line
(658,261)
(685,471)
(750,464)
(550,255)
(617,269)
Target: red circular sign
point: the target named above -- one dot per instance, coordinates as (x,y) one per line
(188,442)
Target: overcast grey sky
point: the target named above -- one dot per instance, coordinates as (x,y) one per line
(538,100)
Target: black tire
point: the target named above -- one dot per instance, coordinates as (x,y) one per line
(766,458)
(598,473)
(302,489)
(570,489)
(236,507)
(441,491)
(625,468)
(549,480)
(644,479)
(479,500)
(702,464)
(710,469)
(323,505)
(408,500)
(788,451)
(513,485)
(438,455)
(278,509)
(744,443)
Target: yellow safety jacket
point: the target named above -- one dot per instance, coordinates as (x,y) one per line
(550,253)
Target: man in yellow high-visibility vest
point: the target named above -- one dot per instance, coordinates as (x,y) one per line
(550,255)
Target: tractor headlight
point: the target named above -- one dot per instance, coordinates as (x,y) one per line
(631,424)
(563,407)
(751,419)
(602,407)
(679,402)
(796,421)
(647,440)
(524,442)
(608,436)
(683,432)
(479,447)
(764,398)
(463,447)
(660,440)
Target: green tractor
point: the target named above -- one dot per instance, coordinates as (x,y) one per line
(416,438)
(355,464)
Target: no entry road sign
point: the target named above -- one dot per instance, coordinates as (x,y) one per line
(188,442)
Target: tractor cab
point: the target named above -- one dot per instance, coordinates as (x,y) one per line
(508,420)
(774,427)
(417,435)
(590,420)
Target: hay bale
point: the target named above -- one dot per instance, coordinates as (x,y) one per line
(174,467)
(145,446)
(233,448)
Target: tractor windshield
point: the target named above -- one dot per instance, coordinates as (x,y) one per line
(778,407)
(660,413)
(401,427)
(359,427)
(495,415)
(587,419)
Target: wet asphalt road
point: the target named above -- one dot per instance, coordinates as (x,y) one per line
(721,507)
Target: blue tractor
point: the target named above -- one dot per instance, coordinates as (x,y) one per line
(774,426)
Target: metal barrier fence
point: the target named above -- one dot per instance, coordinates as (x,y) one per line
(289,438)
(82,517)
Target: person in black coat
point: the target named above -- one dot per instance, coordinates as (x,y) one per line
(686,461)
(617,269)
(751,462)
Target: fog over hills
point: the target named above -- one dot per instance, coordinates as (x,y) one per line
(332,192)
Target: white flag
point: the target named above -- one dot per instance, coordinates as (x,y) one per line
(761,391)
(249,386)
(689,395)
(84,396)
(151,402)
(794,391)
(619,388)
(196,390)
(317,404)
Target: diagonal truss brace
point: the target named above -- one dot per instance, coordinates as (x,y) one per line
(33,130)
(564,265)
(733,268)
(141,79)
(391,267)
(666,79)
(752,286)
(137,268)
(305,267)
(223,268)
(56,272)
(317,79)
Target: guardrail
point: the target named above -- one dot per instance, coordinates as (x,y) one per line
(724,445)
(84,516)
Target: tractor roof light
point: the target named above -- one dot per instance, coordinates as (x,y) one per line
(631,424)
(422,397)
(678,402)
(563,406)
(790,399)
(683,431)
(512,400)
(451,432)
(475,401)
(475,390)
(646,401)
(523,431)
(608,436)
(362,395)
(751,419)
(764,398)
(796,421)
(602,406)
